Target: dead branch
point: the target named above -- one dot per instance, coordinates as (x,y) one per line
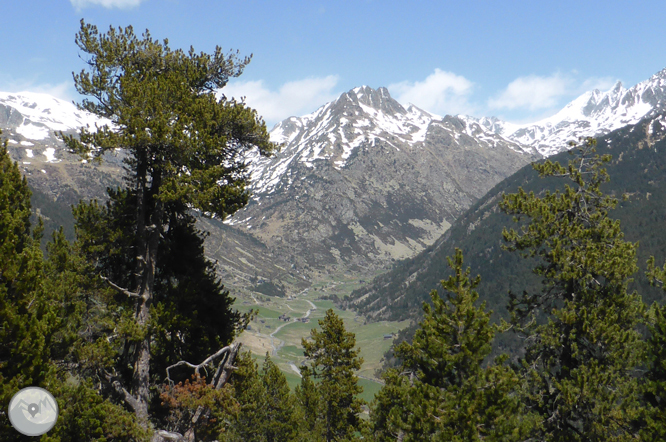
(208,360)
(120,289)
(222,375)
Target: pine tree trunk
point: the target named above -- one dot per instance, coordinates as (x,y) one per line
(148,232)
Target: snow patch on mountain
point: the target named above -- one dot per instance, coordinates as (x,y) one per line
(37,116)
(594,113)
(362,116)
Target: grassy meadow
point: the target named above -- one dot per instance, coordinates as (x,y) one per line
(281,338)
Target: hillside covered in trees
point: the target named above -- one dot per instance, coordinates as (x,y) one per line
(637,169)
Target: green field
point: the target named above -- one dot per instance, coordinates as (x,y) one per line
(285,343)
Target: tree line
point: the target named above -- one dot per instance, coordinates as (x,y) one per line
(132,331)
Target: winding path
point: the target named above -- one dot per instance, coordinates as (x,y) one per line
(281,343)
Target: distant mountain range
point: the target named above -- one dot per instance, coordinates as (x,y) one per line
(359,183)
(364,181)
(592,114)
(638,168)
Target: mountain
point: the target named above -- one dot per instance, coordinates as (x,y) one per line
(29,122)
(638,168)
(592,114)
(359,183)
(363,181)
(37,117)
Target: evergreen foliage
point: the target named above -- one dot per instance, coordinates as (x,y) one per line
(579,362)
(192,312)
(330,371)
(267,409)
(654,388)
(28,317)
(281,415)
(186,149)
(84,415)
(39,317)
(443,391)
(309,402)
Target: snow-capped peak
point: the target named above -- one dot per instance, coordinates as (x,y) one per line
(36,116)
(332,132)
(593,113)
(362,116)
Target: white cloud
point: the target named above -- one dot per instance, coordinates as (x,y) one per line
(533,92)
(441,92)
(121,4)
(294,98)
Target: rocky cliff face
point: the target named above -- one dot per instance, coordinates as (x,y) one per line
(364,181)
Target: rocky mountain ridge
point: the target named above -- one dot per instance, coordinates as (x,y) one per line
(363,181)
(594,113)
(359,183)
(637,169)
(360,116)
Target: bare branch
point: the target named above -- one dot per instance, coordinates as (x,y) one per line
(120,289)
(208,360)
(218,381)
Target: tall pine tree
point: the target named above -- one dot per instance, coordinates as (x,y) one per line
(267,410)
(580,330)
(443,391)
(186,150)
(281,417)
(332,362)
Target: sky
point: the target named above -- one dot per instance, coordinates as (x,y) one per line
(519,61)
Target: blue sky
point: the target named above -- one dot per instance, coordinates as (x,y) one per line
(520,61)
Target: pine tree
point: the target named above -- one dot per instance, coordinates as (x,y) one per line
(582,343)
(249,420)
(280,420)
(28,312)
(654,388)
(39,313)
(442,391)
(309,404)
(192,311)
(186,150)
(332,363)
(391,407)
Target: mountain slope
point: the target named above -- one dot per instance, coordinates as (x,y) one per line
(359,183)
(37,117)
(638,168)
(364,181)
(29,122)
